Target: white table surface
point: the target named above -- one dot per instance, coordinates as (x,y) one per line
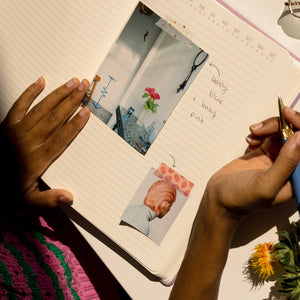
(264,14)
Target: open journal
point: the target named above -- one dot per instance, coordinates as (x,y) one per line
(174,87)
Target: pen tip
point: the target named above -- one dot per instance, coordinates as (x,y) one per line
(280,102)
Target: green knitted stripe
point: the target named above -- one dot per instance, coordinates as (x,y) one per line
(59,255)
(29,273)
(45,266)
(7,281)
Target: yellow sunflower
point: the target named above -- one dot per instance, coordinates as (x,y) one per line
(262,258)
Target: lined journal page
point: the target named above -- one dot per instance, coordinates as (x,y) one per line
(205,130)
(56,39)
(239,83)
(106,173)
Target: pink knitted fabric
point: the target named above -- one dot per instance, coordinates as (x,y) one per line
(34,264)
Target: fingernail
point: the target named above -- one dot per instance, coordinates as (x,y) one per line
(248,139)
(82,85)
(257,126)
(71,82)
(38,81)
(62,200)
(84,111)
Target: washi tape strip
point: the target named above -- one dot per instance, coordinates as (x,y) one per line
(179,182)
(168,28)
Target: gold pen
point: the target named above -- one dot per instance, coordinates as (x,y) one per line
(286,130)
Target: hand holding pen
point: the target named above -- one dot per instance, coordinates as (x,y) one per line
(287,132)
(256,181)
(267,137)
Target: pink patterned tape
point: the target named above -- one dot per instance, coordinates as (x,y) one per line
(179,182)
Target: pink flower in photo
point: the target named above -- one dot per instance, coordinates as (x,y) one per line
(150,90)
(151,96)
(156,96)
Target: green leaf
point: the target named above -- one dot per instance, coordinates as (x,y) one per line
(281,245)
(285,292)
(286,236)
(291,269)
(285,257)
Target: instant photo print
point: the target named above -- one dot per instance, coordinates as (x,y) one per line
(157,202)
(143,77)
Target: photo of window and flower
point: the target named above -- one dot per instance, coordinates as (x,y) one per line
(144,75)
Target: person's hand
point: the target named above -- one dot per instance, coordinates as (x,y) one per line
(260,178)
(32,140)
(255,181)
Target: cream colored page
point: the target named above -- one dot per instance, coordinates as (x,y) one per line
(241,59)
(56,39)
(205,130)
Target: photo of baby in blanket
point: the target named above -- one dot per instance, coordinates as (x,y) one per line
(157,202)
